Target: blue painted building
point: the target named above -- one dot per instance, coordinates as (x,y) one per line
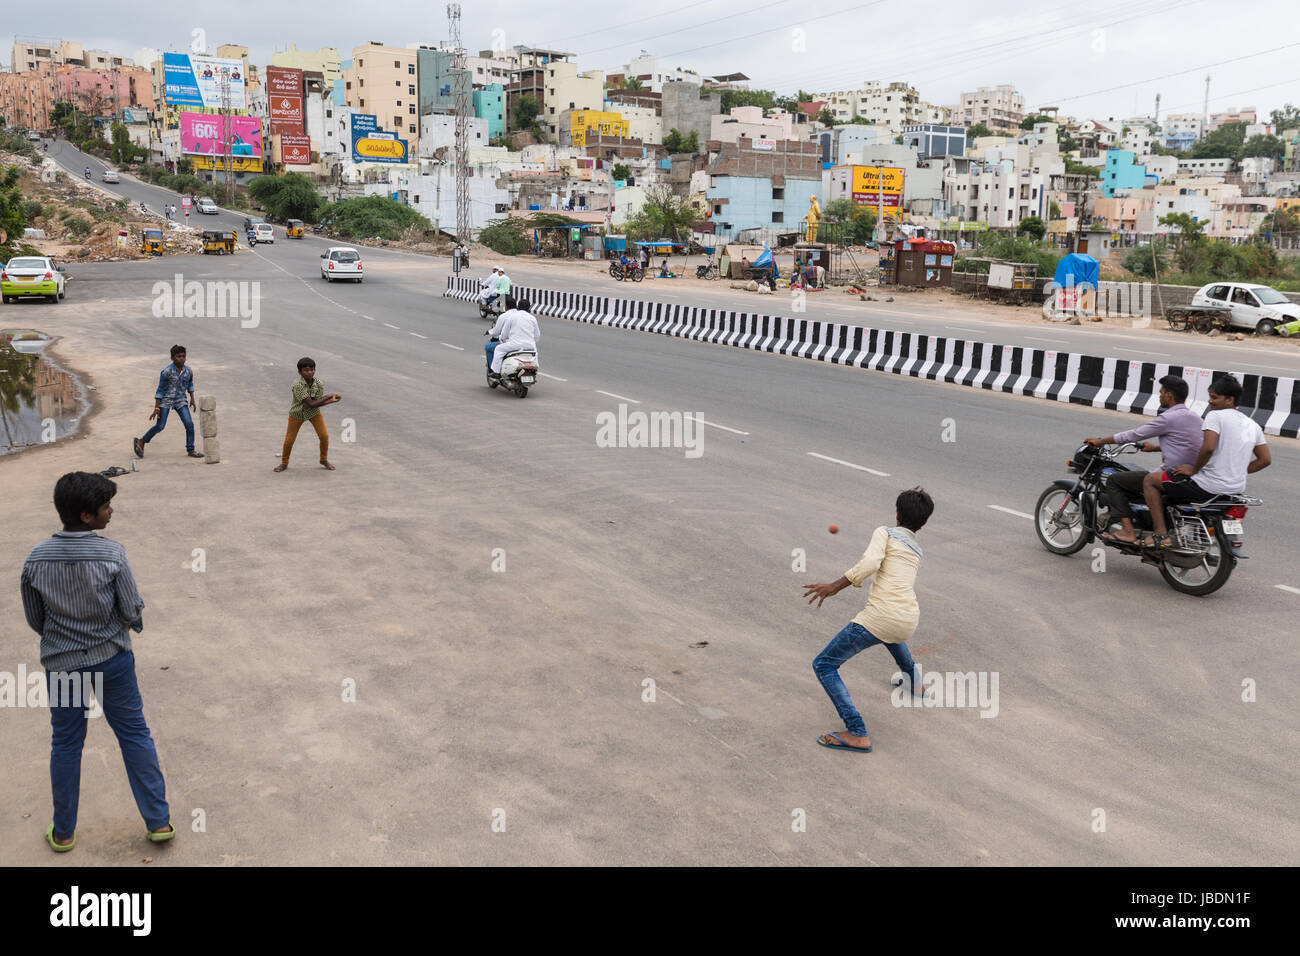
(1122,172)
(766,189)
(337,95)
(490,104)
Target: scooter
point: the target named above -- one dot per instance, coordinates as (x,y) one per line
(252,239)
(492,309)
(518,371)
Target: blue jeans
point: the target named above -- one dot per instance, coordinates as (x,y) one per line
(489,349)
(186,420)
(124,711)
(853,640)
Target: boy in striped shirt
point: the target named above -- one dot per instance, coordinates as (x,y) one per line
(79,595)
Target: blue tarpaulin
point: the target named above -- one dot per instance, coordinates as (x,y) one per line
(1075,270)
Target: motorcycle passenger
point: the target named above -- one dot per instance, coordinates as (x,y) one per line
(1233,447)
(499,328)
(87,172)
(520,333)
(487,291)
(1179,429)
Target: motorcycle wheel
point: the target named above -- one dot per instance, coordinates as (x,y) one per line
(492,383)
(638,275)
(1208,576)
(1058,520)
(522,391)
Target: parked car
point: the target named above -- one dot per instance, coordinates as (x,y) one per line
(206,206)
(27,276)
(265,232)
(110,176)
(340,262)
(1252,306)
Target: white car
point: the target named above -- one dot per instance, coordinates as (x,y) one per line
(206,206)
(109,176)
(1253,306)
(28,276)
(341,262)
(33,137)
(264,232)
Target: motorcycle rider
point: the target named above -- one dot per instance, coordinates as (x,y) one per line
(87,172)
(521,332)
(1233,447)
(499,328)
(1179,429)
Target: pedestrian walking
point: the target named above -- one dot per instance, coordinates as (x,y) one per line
(308,399)
(176,380)
(80,596)
(892,559)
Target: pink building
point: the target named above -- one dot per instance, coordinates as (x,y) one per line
(102,92)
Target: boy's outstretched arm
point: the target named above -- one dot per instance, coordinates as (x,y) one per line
(820,592)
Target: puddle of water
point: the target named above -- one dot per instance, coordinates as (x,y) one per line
(39,401)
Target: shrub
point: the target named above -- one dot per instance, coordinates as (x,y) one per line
(370,216)
(33,210)
(78,227)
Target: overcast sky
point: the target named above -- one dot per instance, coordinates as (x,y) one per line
(1098,59)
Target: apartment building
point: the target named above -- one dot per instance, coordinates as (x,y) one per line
(1122,171)
(490,68)
(1232,115)
(29,54)
(1000,108)
(751,122)
(893,105)
(763,187)
(568,89)
(234,51)
(1204,167)
(930,139)
(653,77)
(528,77)
(838,142)
(327,61)
(435,84)
(382,81)
(1181,130)
(490,104)
(1137,139)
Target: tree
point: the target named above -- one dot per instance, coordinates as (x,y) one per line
(291,196)
(621,171)
(1053,211)
(1032,226)
(1138,260)
(122,151)
(676,143)
(525,113)
(12,216)
(1188,228)
(847,221)
(1269,147)
(663,215)
(369,216)
(630,83)
(1225,142)
(976,131)
(1283,221)
(1028,122)
(1288,117)
(826,117)
(733,98)
(791,103)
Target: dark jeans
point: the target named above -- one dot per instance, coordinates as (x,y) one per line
(186,420)
(124,711)
(1121,488)
(853,640)
(489,348)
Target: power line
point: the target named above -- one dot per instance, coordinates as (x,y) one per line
(693,26)
(750,36)
(628,23)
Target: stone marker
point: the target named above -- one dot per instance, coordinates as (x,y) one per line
(208,429)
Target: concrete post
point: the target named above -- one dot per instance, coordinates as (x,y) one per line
(208,429)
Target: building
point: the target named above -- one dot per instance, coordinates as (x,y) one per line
(1181,130)
(752,123)
(839,142)
(327,61)
(233,51)
(931,139)
(1162,167)
(1202,167)
(1136,139)
(382,82)
(1232,115)
(643,123)
(1000,108)
(567,89)
(490,105)
(435,81)
(29,54)
(1042,134)
(438,135)
(574,126)
(688,108)
(761,188)
(1122,172)
(490,68)
(653,78)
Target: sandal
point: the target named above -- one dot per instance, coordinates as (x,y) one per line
(195,454)
(841,745)
(58,847)
(162,837)
(1157,541)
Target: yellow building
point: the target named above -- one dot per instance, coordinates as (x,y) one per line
(326,60)
(382,81)
(582,122)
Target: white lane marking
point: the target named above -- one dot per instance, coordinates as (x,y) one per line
(556,377)
(450,346)
(849,464)
(1018,514)
(370,317)
(418,335)
(960,328)
(621,398)
(1277,368)
(1287,587)
(1141,351)
(734,431)
(389,325)
(1037,338)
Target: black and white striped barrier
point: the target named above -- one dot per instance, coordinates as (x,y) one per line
(1117,384)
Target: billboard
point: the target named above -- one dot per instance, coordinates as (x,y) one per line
(203,134)
(284,100)
(206,81)
(869,182)
(295,149)
(582,122)
(240,164)
(370,144)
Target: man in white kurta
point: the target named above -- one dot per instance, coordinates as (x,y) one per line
(520,332)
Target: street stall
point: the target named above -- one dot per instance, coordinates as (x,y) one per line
(922,263)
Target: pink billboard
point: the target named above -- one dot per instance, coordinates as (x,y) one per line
(202,134)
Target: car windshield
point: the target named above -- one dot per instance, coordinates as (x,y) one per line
(1269,296)
(346,257)
(26,264)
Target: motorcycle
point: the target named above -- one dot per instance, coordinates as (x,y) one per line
(631,271)
(491,310)
(707,271)
(1206,537)
(252,239)
(518,371)
(87,172)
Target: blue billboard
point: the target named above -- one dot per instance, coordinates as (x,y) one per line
(370,144)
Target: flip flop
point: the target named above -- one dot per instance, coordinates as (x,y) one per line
(1157,541)
(1112,539)
(58,847)
(841,745)
(163,837)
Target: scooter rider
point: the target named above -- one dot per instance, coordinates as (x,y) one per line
(499,328)
(519,333)
(487,290)
(1179,431)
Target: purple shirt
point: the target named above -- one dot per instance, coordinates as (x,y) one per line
(1179,430)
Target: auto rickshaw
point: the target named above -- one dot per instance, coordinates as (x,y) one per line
(217,242)
(151,242)
(294,229)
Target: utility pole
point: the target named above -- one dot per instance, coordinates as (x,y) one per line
(460,80)
(1205,110)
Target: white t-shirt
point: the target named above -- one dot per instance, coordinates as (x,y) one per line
(1225,472)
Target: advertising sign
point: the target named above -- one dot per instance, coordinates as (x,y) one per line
(284,100)
(202,134)
(370,144)
(295,149)
(206,81)
(867,185)
(240,164)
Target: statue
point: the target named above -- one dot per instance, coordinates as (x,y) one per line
(814,217)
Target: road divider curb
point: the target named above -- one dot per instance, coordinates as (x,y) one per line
(1096,381)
